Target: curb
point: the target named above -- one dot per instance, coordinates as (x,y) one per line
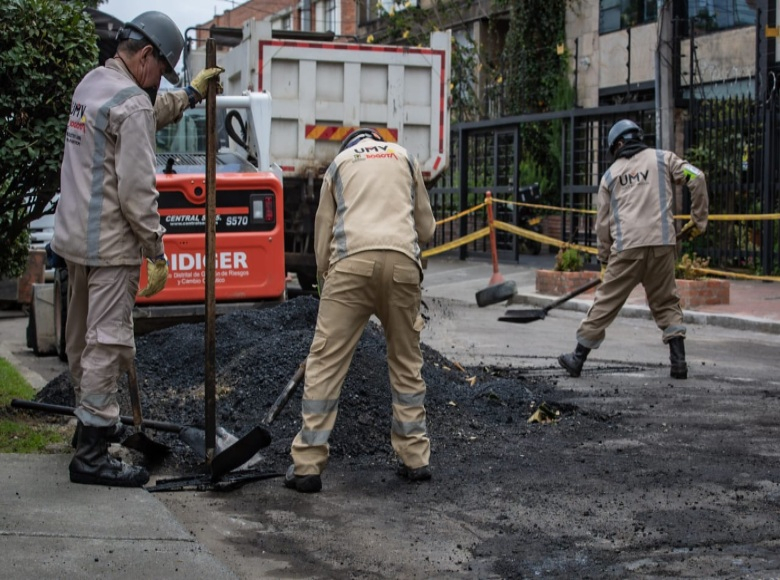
(633,311)
(36,381)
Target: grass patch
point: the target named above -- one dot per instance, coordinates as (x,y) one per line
(12,384)
(21,431)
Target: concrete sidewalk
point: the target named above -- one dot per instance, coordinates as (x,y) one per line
(50,528)
(753,305)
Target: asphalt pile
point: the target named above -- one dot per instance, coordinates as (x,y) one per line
(258,351)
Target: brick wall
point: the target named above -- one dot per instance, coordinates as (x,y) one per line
(263,9)
(555,283)
(695,293)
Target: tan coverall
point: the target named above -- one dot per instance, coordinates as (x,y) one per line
(106,223)
(636,238)
(374,212)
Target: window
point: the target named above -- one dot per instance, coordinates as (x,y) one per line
(304,15)
(370,10)
(711,15)
(283,22)
(325,13)
(619,14)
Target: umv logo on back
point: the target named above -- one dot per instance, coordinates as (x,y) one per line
(632,178)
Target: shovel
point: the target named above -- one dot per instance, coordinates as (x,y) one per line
(189,435)
(533,314)
(220,478)
(139,440)
(245,448)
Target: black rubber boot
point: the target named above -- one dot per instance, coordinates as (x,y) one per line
(677,357)
(92,464)
(418,474)
(116,436)
(573,361)
(302,483)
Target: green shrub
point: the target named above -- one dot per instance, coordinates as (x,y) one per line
(46,47)
(569,260)
(687,266)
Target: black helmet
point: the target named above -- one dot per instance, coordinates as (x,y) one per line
(162,32)
(358,135)
(625,129)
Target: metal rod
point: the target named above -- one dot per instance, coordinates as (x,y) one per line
(210,386)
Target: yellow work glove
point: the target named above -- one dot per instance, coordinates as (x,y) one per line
(201,81)
(603,269)
(689,231)
(156,276)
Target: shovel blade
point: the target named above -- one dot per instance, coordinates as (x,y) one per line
(240,452)
(152,449)
(523,316)
(195,439)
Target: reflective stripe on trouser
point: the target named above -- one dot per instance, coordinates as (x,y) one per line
(387,284)
(653,267)
(99,337)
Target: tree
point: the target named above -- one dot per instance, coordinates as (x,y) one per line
(45,50)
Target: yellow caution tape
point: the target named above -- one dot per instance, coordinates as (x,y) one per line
(735,275)
(727,217)
(461,214)
(499,225)
(547,207)
(512,229)
(457,243)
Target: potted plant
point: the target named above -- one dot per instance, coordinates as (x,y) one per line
(693,285)
(569,273)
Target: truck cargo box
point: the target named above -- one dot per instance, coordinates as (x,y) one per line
(323,90)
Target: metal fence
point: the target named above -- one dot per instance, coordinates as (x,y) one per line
(488,155)
(736,142)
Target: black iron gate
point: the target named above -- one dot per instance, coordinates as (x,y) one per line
(736,142)
(490,156)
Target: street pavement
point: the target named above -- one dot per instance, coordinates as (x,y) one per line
(50,528)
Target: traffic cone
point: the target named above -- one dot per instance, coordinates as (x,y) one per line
(498,289)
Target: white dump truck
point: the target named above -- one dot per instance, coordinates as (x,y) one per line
(322,90)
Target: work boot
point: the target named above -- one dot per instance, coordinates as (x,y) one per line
(677,357)
(117,436)
(92,464)
(302,483)
(573,361)
(419,474)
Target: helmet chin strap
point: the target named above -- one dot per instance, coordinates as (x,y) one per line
(151,91)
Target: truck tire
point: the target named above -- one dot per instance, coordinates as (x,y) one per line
(60,312)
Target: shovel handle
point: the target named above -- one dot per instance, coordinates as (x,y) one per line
(63,410)
(287,392)
(572,294)
(135,395)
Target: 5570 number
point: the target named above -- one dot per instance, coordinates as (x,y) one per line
(236,220)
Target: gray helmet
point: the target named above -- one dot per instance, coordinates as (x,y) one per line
(358,135)
(162,32)
(626,129)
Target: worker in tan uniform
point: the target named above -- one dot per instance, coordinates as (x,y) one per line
(373,214)
(107,222)
(637,241)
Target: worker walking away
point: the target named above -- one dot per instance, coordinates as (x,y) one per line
(637,243)
(373,214)
(107,223)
